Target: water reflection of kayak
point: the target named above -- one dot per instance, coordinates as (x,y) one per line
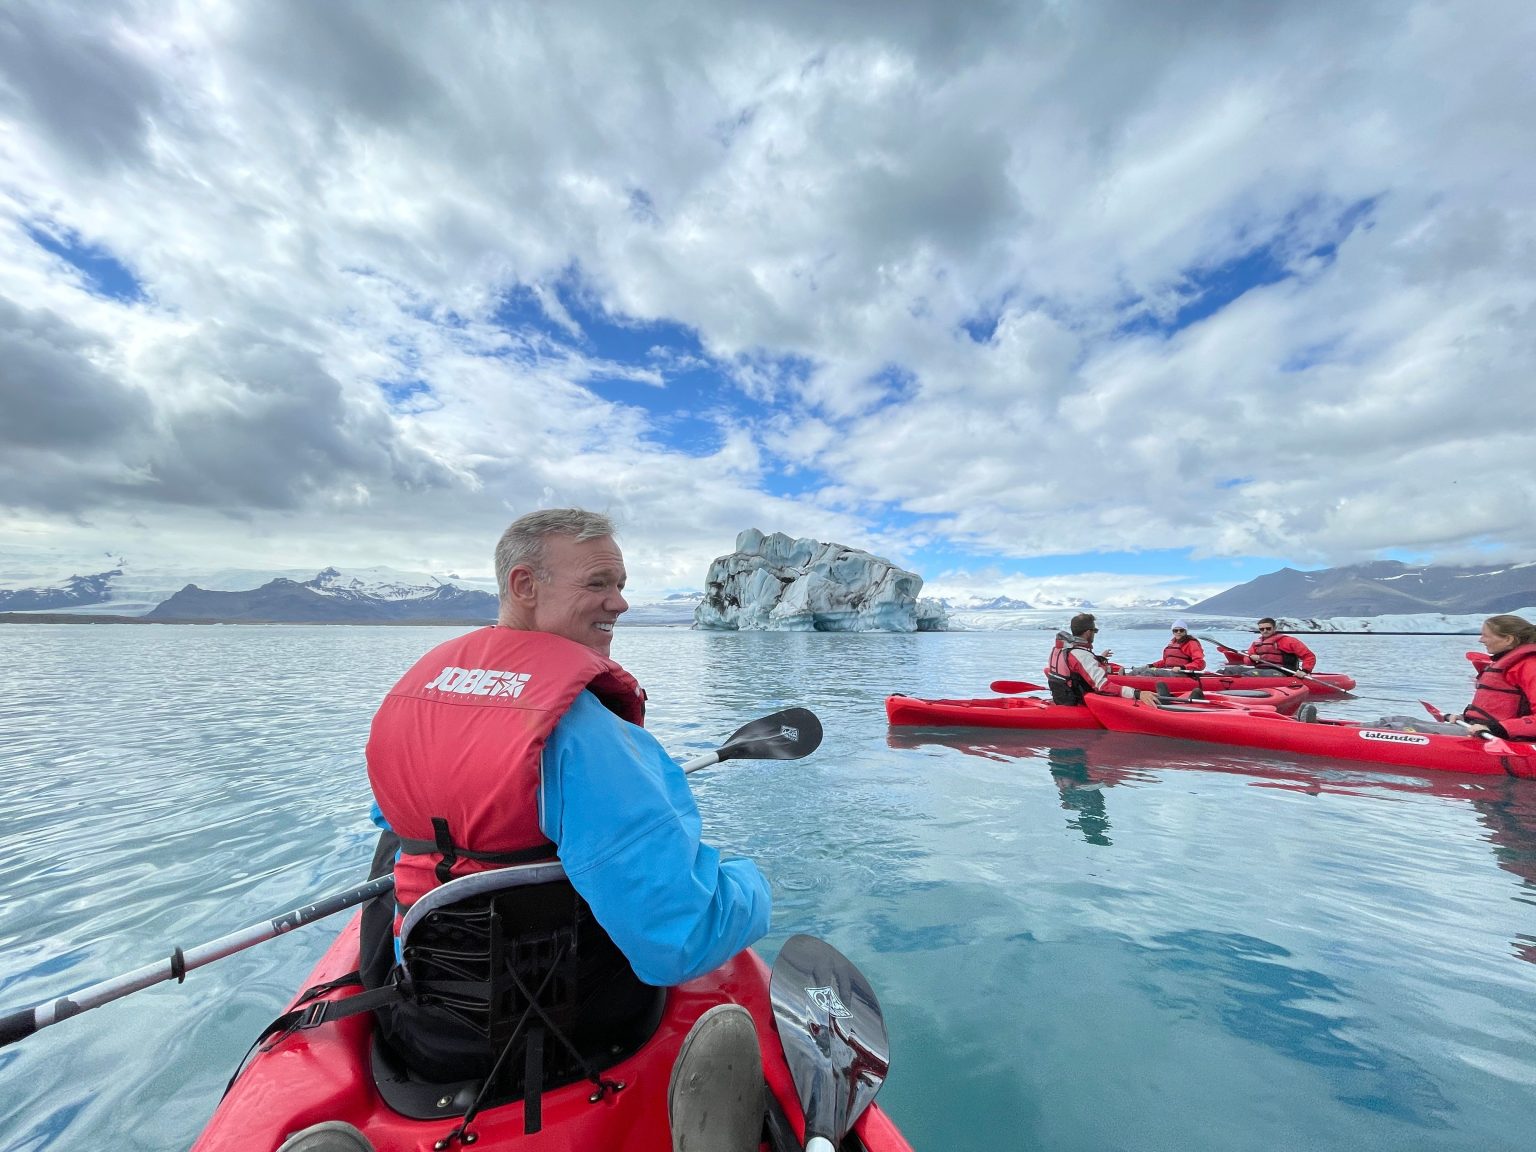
(1505,807)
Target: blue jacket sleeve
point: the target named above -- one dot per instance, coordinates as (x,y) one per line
(627,829)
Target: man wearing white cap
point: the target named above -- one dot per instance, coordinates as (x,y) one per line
(1183,651)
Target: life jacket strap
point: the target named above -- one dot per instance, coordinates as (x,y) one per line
(442,844)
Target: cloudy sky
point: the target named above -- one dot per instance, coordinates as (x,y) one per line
(1105,297)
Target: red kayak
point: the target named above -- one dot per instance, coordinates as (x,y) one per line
(323,1073)
(1231,677)
(1340,739)
(1040,712)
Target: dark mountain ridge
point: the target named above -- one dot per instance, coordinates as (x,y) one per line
(290,602)
(1380,588)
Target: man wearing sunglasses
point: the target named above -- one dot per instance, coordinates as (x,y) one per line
(1182,652)
(1274,647)
(1075,669)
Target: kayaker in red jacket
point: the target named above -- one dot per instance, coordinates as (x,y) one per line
(1505,700)
(1274,647)
(1183,651)
(1075,669)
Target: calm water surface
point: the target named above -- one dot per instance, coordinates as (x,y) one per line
(1081,940)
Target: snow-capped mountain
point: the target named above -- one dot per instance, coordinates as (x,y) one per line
(378,594)
(126,590)
(984,603)
(327,599)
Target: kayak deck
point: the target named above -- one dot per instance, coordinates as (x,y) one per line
(1036,712)
(1227,680)
(323,1073)
(1339,739)
(993,712)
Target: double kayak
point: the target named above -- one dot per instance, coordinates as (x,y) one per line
(1339,739)
(325,1073)
(1232,677)
(1037,712)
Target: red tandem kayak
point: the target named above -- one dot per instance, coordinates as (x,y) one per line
(323,1073)
(1340,739)
(1039,712)
(1231,677)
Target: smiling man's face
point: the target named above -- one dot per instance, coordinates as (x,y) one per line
(582,592)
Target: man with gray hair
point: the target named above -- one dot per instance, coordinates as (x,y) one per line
(523,742)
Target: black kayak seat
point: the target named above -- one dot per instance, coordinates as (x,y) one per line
(507,977)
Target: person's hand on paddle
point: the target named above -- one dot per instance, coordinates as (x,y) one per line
(1145,697)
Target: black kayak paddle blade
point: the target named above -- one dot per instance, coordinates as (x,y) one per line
(786,735)
(833,1034)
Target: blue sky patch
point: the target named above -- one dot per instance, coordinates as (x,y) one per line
(696,397)
(104,273)
(1304,237)
(982,328)
(404,393)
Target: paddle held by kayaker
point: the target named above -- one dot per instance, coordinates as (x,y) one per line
(1273,647)
(1504,702)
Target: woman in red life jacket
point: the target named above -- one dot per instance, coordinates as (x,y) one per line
(1505,700)
(1183,651)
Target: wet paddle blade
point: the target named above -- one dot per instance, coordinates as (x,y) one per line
(786,735)
(833,1034)
(1492,744)
(1496,747)
(1016,686)
(1433,711)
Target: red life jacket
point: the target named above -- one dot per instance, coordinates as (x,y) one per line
(1065,676)
(453,755)
(1496,698)
(1182,654)
(1268,648)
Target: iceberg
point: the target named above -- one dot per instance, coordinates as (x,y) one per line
(775,583)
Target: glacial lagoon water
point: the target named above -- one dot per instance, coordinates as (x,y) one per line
(1081,941)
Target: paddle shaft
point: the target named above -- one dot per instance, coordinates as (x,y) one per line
(25,1021)
(786,735)
(1491,742)
(1297,672)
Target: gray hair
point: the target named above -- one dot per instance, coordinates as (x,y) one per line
(523,541)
